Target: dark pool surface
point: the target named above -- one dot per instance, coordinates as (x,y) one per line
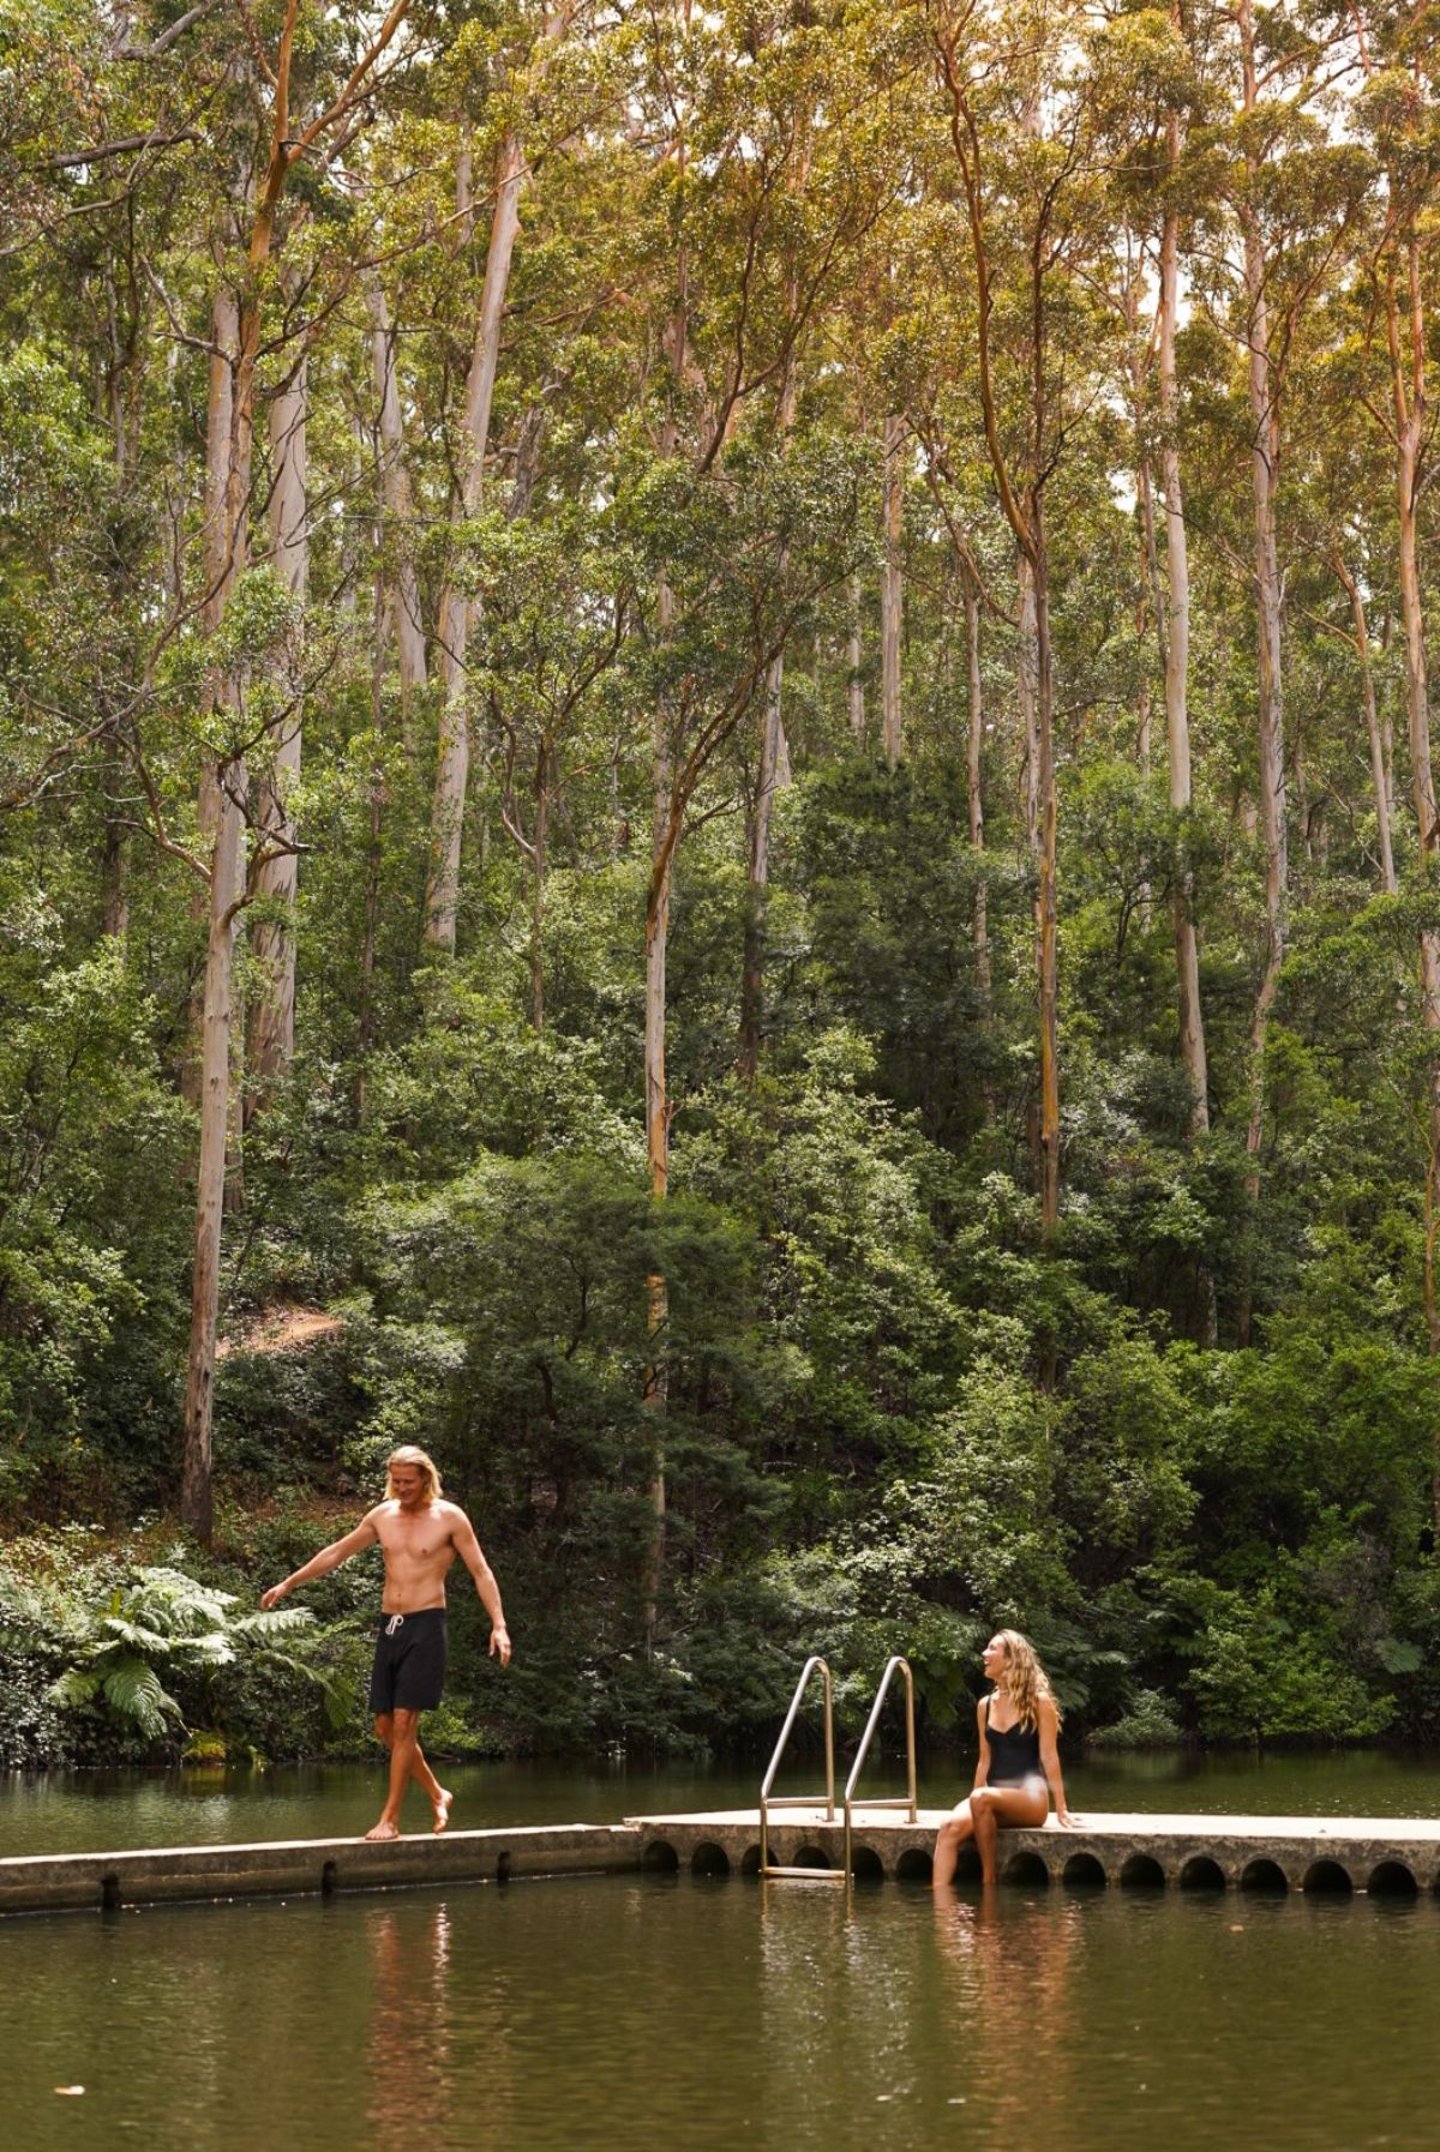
(684,2012)
(644,2013)
(106,1812)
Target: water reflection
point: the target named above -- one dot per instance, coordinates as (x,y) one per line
(957,2019)
(430,2032)
(718,2015)
(1006,1975)
(812,1998)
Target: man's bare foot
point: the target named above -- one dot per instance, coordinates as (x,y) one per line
(442,1810)
(383,1830)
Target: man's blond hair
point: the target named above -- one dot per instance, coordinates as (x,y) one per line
(409,1453)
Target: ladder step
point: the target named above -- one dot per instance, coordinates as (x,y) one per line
(808,1875)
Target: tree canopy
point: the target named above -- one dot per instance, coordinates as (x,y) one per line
(718,719)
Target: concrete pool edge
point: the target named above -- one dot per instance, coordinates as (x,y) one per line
(156,1875)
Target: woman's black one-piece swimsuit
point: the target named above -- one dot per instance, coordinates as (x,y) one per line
(1014,1754)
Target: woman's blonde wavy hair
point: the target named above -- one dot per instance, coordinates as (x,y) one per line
(1023,1679)
(410,1453)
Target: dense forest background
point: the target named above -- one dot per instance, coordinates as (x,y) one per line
(715,788)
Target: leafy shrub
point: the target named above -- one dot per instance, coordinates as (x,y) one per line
(1261,1677)
(131,1656)
(1149,1723)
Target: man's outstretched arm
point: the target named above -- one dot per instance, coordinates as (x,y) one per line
(467,1546)
(320,1565)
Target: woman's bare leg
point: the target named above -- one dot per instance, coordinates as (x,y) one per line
(950,1839)
(1017,1806)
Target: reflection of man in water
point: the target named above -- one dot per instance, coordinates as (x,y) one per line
(420,1536)
(410,2015)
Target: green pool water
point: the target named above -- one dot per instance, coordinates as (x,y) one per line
(650,2012)
(81,1811)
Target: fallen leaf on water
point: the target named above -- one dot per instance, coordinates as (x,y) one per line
(70,2092)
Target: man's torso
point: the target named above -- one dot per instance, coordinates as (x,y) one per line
(419,1547)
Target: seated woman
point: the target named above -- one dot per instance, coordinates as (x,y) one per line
(1019,1765)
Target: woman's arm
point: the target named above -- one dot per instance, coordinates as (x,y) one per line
(1050,1761)
(982,1762)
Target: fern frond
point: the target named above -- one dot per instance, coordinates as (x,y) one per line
(338,1695)
(134,1690)
(272,1623)
(176,1603)
(76,1686)
(214,1649)
(137,1635)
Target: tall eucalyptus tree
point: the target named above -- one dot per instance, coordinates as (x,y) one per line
(1021,132)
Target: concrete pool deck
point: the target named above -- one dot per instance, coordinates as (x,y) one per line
(1383,1855)
(1355,1853)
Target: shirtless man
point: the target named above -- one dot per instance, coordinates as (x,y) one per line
(421,1536)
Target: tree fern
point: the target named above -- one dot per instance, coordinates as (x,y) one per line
(164,1623)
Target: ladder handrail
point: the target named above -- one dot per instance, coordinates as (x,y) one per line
(767,1802)
(908,1800)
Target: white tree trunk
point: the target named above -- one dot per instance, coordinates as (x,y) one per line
(767,783)
(272,1023)
(453,766)
(1411,405)
(228,536)
(1028,692)
(215,569)
(891,591)
(1410,429)
(1264,464)
(657,1132)
(222,823)
(396,495)
(1047,893)
(226,868)
(1374,737)
(975,742)
(855,676)
(1176,645)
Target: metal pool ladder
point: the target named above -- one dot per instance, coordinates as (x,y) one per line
(906,1801)
(801,1800)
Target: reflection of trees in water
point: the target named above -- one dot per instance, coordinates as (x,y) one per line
(425,2044)
(1006,1982)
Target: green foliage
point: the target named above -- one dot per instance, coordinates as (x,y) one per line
(91,1225)
(1259,1679)
(1150,1722)
(1186,1433)
(142,1650)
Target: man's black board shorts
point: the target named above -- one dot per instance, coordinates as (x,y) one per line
(409,1669)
